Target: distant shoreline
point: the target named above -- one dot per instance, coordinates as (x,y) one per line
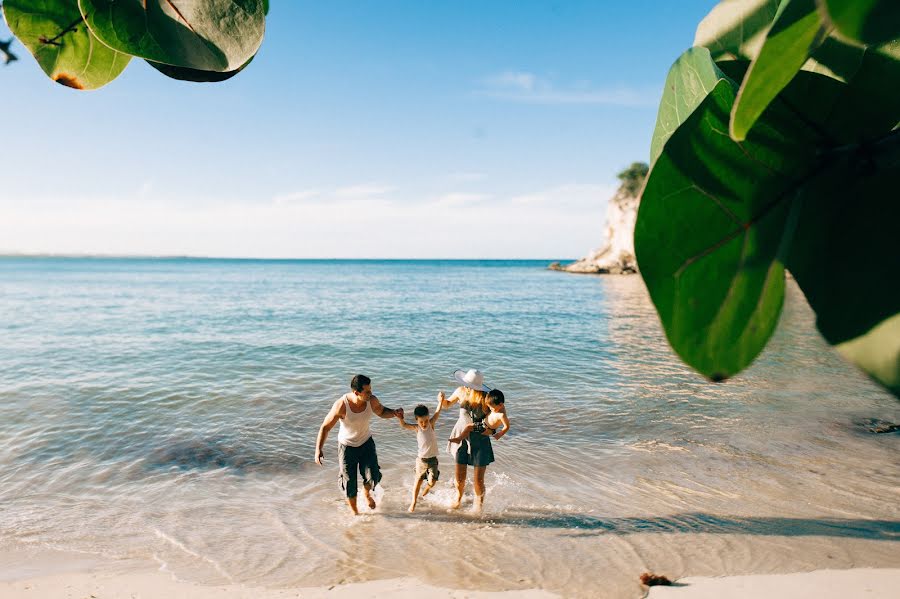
(253,259)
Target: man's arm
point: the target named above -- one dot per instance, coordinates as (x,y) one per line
(384,412)
(437,411)
(334,415)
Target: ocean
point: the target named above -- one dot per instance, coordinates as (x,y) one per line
(166,410)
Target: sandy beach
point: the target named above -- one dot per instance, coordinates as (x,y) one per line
(129,580)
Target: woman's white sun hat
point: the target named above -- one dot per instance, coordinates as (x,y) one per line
(473,379)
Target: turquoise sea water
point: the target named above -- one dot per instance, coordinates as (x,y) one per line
(167,409)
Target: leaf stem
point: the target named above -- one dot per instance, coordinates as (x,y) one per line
(72,28)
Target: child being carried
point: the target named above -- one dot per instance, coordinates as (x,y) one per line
(491,422)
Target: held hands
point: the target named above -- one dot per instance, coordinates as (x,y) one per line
(398,412)
(442,399)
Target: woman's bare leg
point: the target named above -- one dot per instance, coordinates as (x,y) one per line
(478,483)
(460,484)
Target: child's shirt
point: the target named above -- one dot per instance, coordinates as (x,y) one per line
(427,439)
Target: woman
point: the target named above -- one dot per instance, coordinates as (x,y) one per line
(476,450)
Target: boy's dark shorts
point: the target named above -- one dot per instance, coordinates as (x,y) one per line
(427,469)
(362,459)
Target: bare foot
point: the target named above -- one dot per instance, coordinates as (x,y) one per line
(427,490)
(371,501)
(412,507)
(478,504)
(455,504)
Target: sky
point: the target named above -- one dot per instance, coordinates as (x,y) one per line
(389,129)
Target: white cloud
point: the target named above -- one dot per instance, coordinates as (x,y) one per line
(364,190)
(467,177)
(570,196)
(457,199)
(563,221)
(524,87)
(296,197)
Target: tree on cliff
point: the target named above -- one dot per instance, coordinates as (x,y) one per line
(633,177)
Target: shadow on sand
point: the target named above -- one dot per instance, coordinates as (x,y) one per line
(588,525)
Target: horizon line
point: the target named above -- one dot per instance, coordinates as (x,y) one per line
(4,255)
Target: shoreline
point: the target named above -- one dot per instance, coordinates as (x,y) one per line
(51,575)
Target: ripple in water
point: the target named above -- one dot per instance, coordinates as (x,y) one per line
(167,410)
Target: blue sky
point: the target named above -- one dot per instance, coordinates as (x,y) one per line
(362,129)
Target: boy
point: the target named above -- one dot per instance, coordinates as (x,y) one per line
(427,462)
(493,421)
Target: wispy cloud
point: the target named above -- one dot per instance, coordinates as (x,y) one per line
(467,177)
(456,199)
(296,197)
(524,87)
(570,196)
(364,190)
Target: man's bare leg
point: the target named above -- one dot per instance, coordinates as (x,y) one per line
(351,501)
(418,485)
(369,499)
(460,484)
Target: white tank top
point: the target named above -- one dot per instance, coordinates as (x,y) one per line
(354,429)
(427,441)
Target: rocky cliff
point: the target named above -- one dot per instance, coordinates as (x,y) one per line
(616,255)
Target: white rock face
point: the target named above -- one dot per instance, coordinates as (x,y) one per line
(616,255)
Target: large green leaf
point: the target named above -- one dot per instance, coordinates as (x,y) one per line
(870,22)
(796,31)
(184,74)
(205,35)
(693,77)
(712,223)
(717,219)
(735,30)
(54,32)
(846,259)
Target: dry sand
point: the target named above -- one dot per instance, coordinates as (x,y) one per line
(864,583)
(124,583)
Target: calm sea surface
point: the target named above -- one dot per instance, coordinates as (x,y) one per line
(167,410)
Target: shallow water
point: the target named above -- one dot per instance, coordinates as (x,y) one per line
(167,409)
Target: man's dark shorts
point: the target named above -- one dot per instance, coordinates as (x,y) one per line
(362,459)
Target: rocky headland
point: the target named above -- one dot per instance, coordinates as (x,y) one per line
(616,255)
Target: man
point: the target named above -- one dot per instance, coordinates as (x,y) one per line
(356,447)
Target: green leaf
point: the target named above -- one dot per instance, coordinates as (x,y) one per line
(736,29)
(796,31)
(691,79)
(183,74)
(712,222)
(846,258)
(870,22)
(54,32)
(204,35)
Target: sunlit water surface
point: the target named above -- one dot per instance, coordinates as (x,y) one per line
(167,410)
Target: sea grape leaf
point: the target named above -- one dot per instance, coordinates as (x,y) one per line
(796,31)
(66,50)
(735,30)
(693,77)
(204,35)
(846,259)
(713,221)
(871,22)
(185,74)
